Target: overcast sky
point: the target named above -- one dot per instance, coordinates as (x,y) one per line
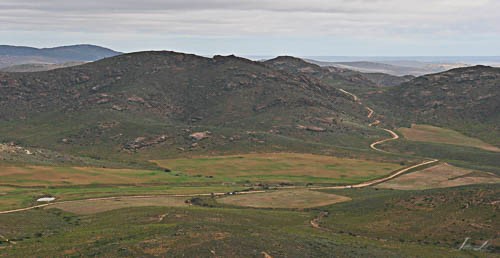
(260,27)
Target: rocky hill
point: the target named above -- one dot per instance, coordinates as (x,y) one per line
(176,102)
(466,99)
(337,77)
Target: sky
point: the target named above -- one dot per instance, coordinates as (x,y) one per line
(260,27)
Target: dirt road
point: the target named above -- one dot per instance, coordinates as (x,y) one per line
(124,196)
(380,180)
(370,112)
(394,136)
(356,99)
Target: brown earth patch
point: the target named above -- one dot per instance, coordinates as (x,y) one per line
(440,176)
(298,199)
(92,206)
(428,133)
(45,175)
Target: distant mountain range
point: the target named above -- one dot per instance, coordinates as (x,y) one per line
(403,65)
(20,55)
(26,68)
(346,78)
(397,68)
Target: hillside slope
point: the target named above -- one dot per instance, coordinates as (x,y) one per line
(337,77)
(465,99)
(171,102)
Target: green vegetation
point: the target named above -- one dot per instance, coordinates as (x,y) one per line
(443,217)
(190,232)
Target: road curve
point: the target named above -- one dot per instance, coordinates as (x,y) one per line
(370,112)
(356,99)
(394,136)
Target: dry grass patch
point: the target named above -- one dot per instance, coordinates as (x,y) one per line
(101,205)
(290,167)
(298,199)
(46,175)
(427,133)
(440,176)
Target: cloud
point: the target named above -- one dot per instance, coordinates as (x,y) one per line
(354,19)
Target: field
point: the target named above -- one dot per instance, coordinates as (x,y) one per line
(67,176)
(299,199)
(22,185)
(282,167)
(439,176)
(101,205)
(427,133)
(137,212)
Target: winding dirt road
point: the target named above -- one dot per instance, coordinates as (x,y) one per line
(315,223)
(394,136)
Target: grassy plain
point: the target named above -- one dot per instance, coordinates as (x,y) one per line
(22,185)
(282,167)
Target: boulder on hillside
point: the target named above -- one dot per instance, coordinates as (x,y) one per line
(311,128)
(200,135)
